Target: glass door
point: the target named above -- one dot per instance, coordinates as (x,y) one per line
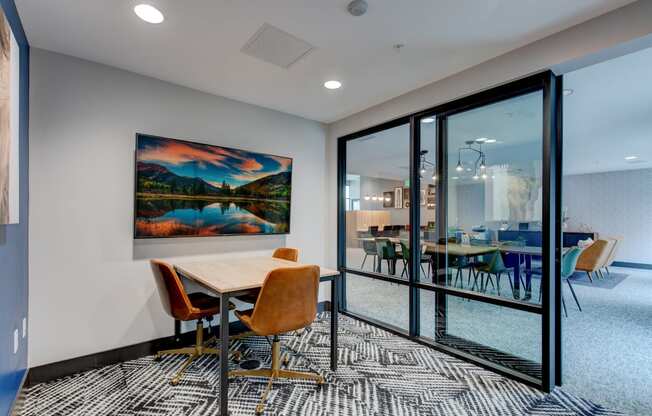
(461,199)
(377,177)
(488,242)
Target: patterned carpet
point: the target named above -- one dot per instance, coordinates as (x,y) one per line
(379,374)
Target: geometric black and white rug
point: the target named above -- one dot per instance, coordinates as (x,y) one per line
(379,374)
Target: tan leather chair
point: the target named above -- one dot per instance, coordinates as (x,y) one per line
(287,302)
(284,253)
(594,257)
(612,254)
(184,307)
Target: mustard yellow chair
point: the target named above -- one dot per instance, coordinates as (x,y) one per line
(287,302)
(612,254)
(594,257)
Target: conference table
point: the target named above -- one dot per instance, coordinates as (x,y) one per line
(470,251)
(227,278)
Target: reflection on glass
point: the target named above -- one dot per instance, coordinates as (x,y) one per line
(377,201)
(428,204)
(506,336)
(501,332)
(378,300)
(378,223)
(495,198)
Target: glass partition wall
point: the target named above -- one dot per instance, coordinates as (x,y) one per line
(453,241)
(378,171)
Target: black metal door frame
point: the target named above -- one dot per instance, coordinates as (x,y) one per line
(549,310)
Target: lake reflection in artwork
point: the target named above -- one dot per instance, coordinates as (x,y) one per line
(186,189)
(177,217)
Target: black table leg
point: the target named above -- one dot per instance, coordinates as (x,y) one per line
(517,279)
(334,303)
(528,277)
(224,355)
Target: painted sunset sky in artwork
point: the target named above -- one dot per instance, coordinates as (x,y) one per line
(185,189)
(213,164)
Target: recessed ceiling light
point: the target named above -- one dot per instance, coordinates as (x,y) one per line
(490,141)
(149,13)
(455,177)
(428,120)
(631,157)
(332,85)
(481,139)
(568,91)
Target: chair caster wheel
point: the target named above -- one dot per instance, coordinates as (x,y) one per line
(174,382)
(286,361)
(158,359)
(259,410)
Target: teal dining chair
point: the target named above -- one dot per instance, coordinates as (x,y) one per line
(568,263)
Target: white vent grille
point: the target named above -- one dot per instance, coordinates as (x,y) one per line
(277,47)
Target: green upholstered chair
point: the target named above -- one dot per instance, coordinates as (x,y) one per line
(385,250)
(406,256)
(494,266)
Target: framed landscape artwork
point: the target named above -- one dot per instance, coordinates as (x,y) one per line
(9,110)
(186,189)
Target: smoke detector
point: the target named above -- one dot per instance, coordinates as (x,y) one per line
(357,7)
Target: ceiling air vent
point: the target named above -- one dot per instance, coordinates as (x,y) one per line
(277,47)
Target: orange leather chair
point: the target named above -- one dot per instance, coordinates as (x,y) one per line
(593,257)
(612,254)
(284,253)
(184,307)
(287,302)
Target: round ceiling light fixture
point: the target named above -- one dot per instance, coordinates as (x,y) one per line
(149,13)
(332,84)
(357,7)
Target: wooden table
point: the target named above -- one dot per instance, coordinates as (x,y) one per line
(237,276)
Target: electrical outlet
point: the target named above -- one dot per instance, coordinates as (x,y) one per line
(24,327)
(15,341)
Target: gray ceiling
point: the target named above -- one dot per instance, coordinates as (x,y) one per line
(199,43)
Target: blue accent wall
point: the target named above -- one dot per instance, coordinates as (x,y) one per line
(13,244)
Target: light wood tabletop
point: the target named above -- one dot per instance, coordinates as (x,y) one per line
(453,249)
(237,274)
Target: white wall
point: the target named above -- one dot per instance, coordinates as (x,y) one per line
(90,284)
(607,35)
(617,204)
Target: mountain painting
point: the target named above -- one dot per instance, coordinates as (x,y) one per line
(186,189)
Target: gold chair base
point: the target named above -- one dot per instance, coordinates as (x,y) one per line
(200,348)
(275,373)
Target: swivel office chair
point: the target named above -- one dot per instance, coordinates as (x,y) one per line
(184,307)
(287,302)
